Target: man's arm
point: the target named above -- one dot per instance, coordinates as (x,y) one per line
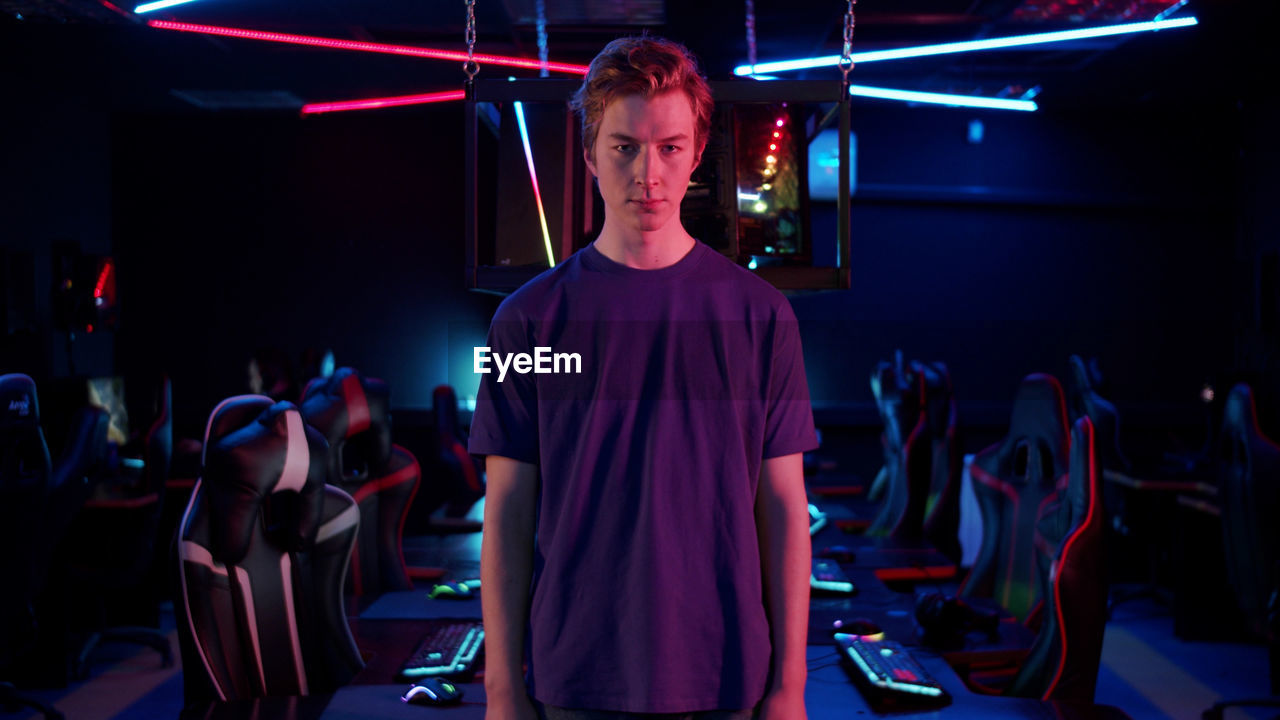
(506,565)
(782,519)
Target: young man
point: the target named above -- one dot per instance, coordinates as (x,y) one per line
(646,545)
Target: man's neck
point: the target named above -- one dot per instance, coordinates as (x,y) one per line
(645,251)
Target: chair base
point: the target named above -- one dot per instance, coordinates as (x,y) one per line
(11,701)
(149,637)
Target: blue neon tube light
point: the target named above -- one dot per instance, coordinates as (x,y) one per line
(968,46)
(943,98)
(533,177)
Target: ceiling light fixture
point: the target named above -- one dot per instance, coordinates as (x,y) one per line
(943,98)
(337,44)
(968,46)
(374,103)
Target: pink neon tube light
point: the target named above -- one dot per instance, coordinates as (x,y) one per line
(373,103)
(366,46)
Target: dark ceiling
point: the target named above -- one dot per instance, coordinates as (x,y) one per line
(112,54)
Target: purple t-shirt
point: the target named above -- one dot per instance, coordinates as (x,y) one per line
(647,593)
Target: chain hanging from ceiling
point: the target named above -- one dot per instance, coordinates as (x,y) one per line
(542,38)
(470,66)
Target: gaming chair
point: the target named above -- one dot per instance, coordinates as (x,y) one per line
(942,504)
(1014,481)
(354,414)
(113,539)
(1063,662)
(900,395)
(462,483)
(261,555)
(37,501)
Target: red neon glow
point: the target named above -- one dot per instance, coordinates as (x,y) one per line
(373,103)
(337,44)
(779,119)
(103,276)
(777,134)
(773,146)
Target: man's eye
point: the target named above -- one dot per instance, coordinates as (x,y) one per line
(671,148)
(626,148)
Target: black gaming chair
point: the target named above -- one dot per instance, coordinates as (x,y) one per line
(1063,662)
(461,485)
(262,551)
(113,539)
(1014,481)
(900,395)
(1249,498)
(942,504)
(354,414)
(37,501)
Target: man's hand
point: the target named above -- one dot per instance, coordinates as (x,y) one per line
(506,564)
(510,706)
(783,704)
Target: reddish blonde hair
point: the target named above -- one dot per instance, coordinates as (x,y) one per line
(645,66)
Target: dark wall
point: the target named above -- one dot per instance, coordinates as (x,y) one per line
(1107,235)
(241,232)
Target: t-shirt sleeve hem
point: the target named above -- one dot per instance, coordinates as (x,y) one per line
(792,446)
(507,451)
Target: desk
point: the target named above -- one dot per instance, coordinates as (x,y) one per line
(828,694)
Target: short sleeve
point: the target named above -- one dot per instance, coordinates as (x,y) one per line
(789,416)
(505,421)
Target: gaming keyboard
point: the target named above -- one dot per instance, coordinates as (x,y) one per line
(448,649)
(887,674)
(827,576)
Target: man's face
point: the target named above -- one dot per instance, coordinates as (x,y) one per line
(644,154)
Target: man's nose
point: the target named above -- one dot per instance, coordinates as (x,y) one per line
(647,168)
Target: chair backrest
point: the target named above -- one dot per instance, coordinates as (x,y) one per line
(899,394)
(1249,496)
(353,412)
(1063,662)
(25,470)
(1083,399)
(37,500)
(262,551)
(451,443)
(1014,480)
(942,505)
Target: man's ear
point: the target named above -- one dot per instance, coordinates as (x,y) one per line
(586,155)
(697,159)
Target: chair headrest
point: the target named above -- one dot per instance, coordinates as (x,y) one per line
(19,406)
(346,403)
(257,451)
(939,402)
(1039,418)
(1240,413)
(445,404)
(1083,483)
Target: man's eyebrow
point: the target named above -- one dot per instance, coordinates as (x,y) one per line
(627,138)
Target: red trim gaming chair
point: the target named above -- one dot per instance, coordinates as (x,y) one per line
(1063,662)
(942,505)
(1015,480)
(262,552)
(354,414)
(900,396)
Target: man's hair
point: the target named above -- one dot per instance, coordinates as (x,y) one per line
(645,66)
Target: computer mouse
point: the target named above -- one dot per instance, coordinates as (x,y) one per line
(839,553)
(450,590)
(859,626)
(433,691)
